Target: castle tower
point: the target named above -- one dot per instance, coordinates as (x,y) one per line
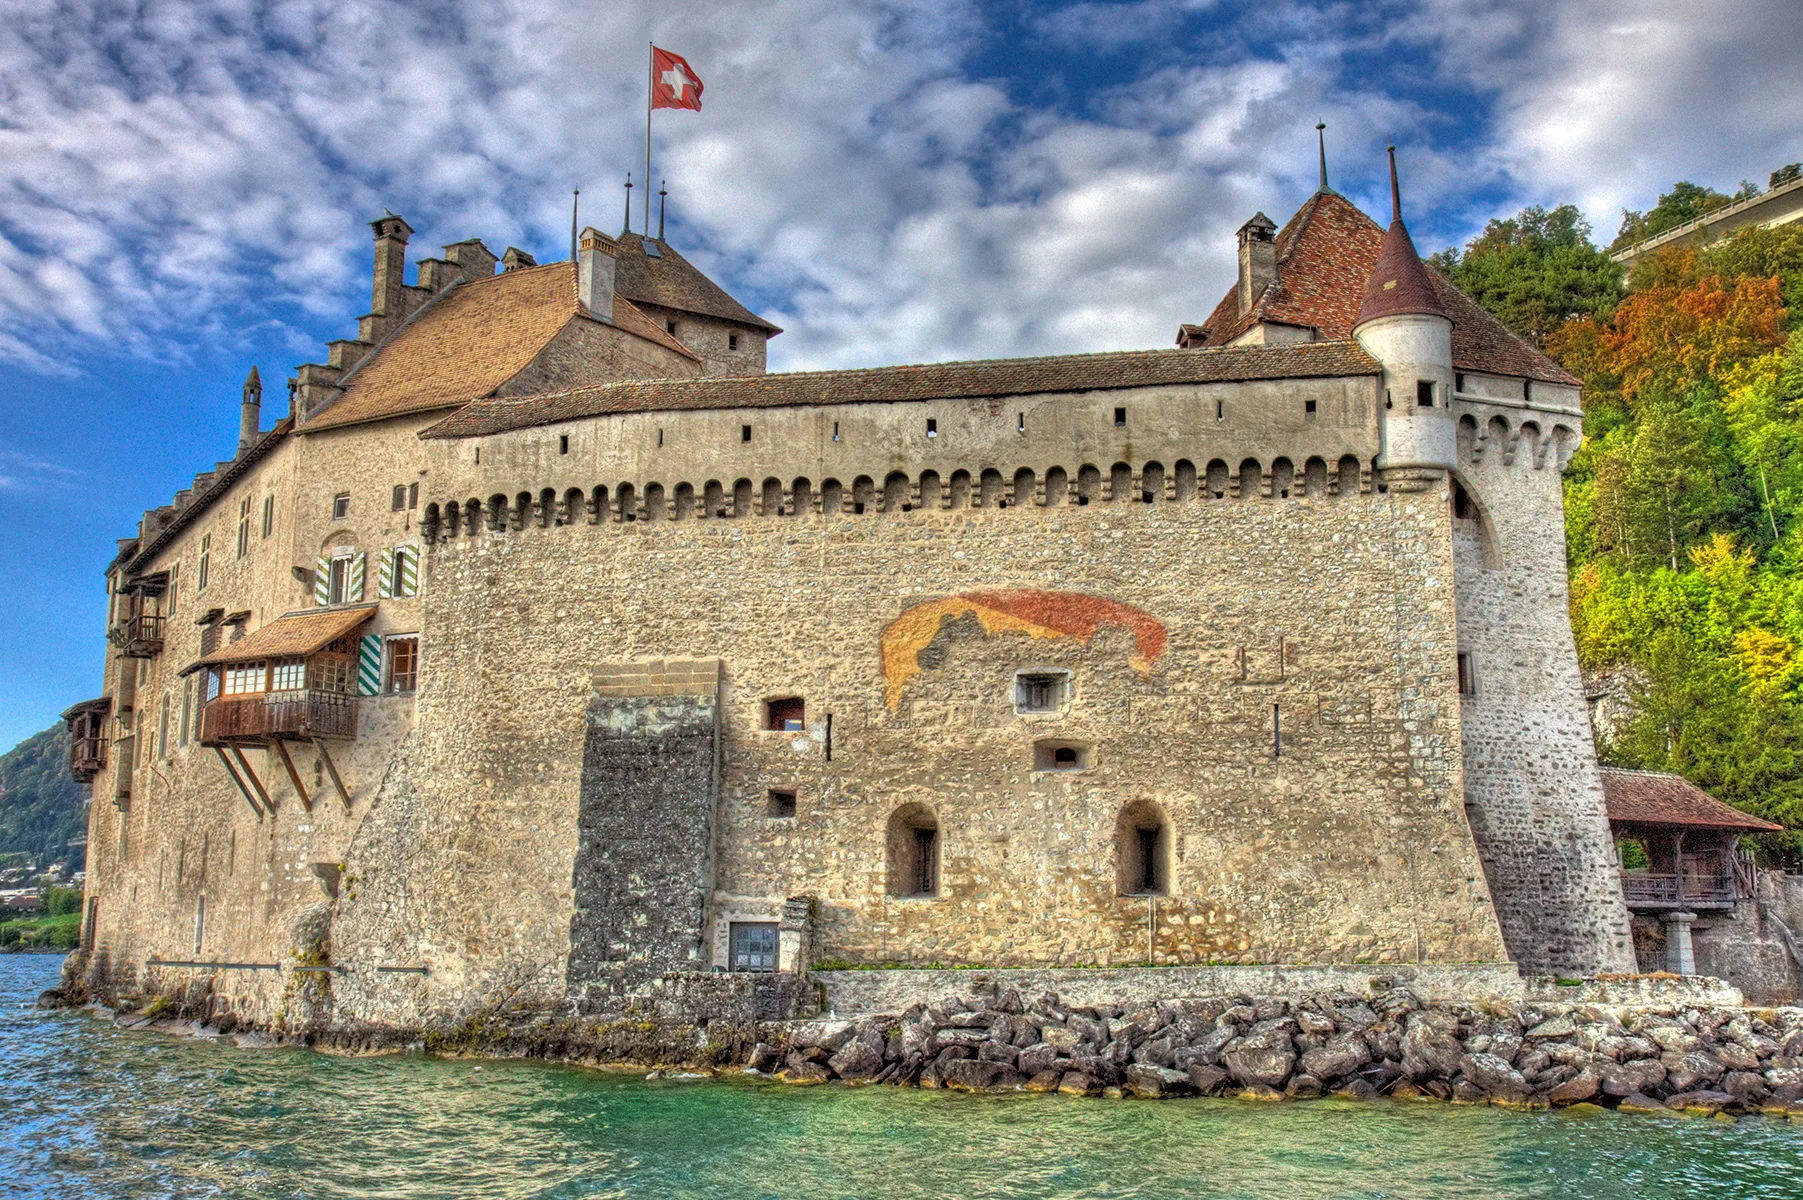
(1403,325)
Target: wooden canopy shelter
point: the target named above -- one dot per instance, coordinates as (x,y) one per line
(1691,841)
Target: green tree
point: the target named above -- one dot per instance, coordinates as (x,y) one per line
(1536,271)
(41,806)
(1685,202)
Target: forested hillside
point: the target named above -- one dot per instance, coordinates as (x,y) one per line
(41,805)
(1682,508)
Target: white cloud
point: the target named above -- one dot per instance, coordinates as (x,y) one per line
(178,171)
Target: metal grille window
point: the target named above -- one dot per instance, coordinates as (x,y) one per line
(332,674)
(926,862)
(754,946)
(403,665)
(289,676)
(244,678)
(1042,692)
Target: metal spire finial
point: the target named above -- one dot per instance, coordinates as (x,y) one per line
(575,198)
(1395,192)
(1321,137)
(663,190)
(629,202)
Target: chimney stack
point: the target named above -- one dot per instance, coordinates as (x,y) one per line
(595,274)
(1258,259)
(250,413)
(385,302)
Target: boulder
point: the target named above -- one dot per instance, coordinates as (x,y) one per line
(1060,1038)
(1737,1057)
(1554,1027)
(827,1035)
(1045,1081)
(1342,1055)
(1467,1092)
(1310,1021)
(1302,1087)
(1258,1091)
(856,1061)
(763,1057)
(970,1038)
(1036,1058)
(1672,1037)
(1685,1072)
(993,1051)
(1207,1080)
(1356,1089)
(1159,1051)
(978,1075)
(1578,1089)
(804,1073)
(1624,1079)
(1703,1101)
(1745,1086)
(1152,1082)
(1640,1103)
(1077,1083)
(1493,1074)
(1429,1050)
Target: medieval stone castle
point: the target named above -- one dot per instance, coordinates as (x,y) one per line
(546,642)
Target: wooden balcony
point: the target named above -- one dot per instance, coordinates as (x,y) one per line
(262,717)
(87,758)
(139,636)
(1648,891)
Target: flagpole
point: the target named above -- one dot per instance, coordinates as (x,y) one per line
(650,74)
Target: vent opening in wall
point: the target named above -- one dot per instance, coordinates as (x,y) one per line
(787,714)
(932,428)
(744,433)
(563,443)
(1308,409)
(1020,422)
(780,802)
(1059,756)
(1467,676)
(1220,410)
(732,341)
(1120,417)
(1458,382)
(1424,393)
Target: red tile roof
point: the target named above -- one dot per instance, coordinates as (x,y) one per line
(671,281)
(1399,283)
(1659,798)
(1326,254)
(928,381)
(292,635)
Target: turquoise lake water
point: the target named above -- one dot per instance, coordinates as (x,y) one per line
(90,1111)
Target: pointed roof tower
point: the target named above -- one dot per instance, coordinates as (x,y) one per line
(1399,282)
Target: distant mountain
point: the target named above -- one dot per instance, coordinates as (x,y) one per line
(41,805)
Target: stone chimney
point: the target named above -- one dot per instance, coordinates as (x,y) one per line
(387,303)
(595,274)
(250,413)
(1258,259)
(473,259)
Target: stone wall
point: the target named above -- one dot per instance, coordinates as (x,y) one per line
(1532,788)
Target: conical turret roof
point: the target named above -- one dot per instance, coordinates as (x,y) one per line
(1399,282)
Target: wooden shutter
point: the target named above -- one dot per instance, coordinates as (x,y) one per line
(406,561)
(322,581)
(369,665)
(385,576)
(353,584)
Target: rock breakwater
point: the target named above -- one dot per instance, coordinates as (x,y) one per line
(1270,1047)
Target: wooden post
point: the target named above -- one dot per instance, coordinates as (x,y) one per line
(257,784)
(233,772)
(300,789)
(332,770)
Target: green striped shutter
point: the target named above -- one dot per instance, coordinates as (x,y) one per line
(322,582)
(385,576)
(353,584)
(407,562)
(369,665)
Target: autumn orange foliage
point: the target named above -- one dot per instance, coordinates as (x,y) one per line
(1676,334)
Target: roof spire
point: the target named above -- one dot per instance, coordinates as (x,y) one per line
(1321,137)
(575,197)
(1395,193)
(662,191)
(629,202)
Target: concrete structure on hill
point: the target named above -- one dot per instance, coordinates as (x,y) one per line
(548,648)
(1778,205)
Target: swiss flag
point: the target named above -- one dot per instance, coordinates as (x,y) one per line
(673,84)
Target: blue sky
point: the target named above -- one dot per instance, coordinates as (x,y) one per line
(184,186)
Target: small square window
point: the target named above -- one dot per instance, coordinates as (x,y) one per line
(752,946)
(787,715)
(1467,676)
(563,443)
(780,802)
(732,341)
(1062,756)
(1308,409)
(1120,417)
(400,497)
(413,495)
(1424,393)
(1041,691)
(403,665)
(932,428)
(1458,382)
(744,433)
(341,506)
(670,328)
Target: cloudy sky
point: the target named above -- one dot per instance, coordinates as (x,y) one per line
(184,185)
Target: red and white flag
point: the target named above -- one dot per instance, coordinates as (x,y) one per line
(673,84)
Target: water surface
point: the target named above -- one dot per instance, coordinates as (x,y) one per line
(91,1111)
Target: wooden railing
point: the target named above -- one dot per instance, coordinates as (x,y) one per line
(87,757)
(1673,891)
(307,712)
(139,636)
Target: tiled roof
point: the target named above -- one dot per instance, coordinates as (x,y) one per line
(296,634)
(1659,798)
(1399,283)
(467,342)
(671,281)
(929,381)
(1326,254)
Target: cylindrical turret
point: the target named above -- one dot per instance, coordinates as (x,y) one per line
(1403,325)
(250,412)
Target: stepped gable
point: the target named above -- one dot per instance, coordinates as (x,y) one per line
(927,381)
(672,281)
(1661,798)
(467,342)
(1326,254)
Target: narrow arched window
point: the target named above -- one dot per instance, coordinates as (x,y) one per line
(1142,850)
(913,852)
